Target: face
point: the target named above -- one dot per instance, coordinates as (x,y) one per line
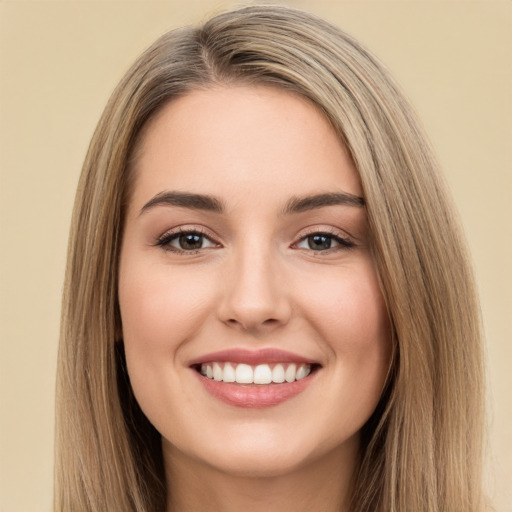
(252,316)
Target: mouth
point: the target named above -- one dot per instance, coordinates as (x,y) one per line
(251,379)
(261,374)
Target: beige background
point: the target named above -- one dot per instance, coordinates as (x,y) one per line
(58,63)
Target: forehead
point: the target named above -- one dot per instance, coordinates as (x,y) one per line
(245,141)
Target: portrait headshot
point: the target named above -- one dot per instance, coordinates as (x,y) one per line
(256,256)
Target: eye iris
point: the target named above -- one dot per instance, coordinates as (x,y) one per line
(319,242)
(191,241)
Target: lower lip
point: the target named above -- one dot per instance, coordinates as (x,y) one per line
(254,396)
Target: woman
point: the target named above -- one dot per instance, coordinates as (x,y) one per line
(268,302)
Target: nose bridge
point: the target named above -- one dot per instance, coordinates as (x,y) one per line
(253,293)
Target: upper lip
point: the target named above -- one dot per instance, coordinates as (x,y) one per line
(252,357)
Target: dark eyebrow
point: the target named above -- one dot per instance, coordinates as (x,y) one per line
(302,204)
(185,200)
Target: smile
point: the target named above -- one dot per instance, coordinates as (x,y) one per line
(261,374)
(254,379)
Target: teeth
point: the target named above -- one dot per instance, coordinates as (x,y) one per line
(260,374)
(290,373)
(302,372)
(244,374)
(217,371)
(278,373)
(229,373)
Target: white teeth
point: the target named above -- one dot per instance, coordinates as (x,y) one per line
(289,375)
(229,373)
(244,374)
(302,372)
(217,371)
(260,374)
(278,373)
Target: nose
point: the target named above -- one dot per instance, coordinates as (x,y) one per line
(255,297)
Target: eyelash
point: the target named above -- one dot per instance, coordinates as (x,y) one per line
(165,241)
(344,243)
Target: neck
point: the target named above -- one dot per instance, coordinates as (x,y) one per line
(323,484)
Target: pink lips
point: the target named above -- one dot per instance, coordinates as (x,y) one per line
(253,395)
(252,357)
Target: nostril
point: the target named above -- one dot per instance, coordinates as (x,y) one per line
(269,322)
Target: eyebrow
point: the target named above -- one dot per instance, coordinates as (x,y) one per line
(306,203)
(185,200)
(213,204)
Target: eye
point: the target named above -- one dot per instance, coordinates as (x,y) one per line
(324,242)
(185,241)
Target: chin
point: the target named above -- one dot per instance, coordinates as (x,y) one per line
(264,453)
(262,463)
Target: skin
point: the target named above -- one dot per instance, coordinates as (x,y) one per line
(256,283)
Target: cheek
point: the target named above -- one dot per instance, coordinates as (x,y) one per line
(350,306)
(368,337)
(158,306)
(350,313)
(358,336)
(160,310)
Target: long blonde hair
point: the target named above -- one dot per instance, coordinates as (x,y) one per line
(422,446)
